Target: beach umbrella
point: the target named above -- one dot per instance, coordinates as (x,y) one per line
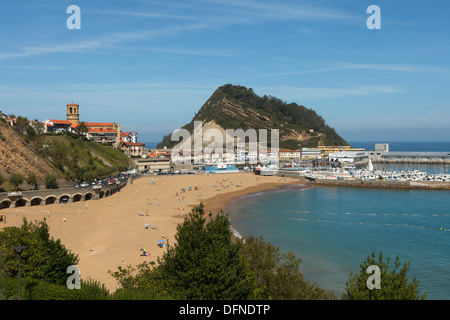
(161,241)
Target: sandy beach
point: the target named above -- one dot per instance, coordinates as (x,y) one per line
(111,232)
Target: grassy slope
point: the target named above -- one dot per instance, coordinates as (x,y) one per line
(70,154)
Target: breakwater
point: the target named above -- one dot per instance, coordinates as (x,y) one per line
(379,184)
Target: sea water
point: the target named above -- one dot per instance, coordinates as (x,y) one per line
(334,229)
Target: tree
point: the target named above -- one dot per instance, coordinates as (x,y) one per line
(82,129)
(21,124)
(205,263)
(50,181)
(278,273)
(31,132)
(44,258)
(16,180)
(393,283)
(32,180)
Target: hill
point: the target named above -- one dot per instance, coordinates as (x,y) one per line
(16,156)
(233,107)
(66,156)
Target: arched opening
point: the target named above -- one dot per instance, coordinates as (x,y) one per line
(64,199)
(5,204)
(77,197)
(88,196)
(50,200)
(21,203)
(36,201)
(107,193)
(70,110)
(102,194)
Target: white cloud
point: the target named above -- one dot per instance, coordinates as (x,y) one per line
(314,93)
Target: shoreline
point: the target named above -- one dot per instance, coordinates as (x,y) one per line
(112,231)
(220,202)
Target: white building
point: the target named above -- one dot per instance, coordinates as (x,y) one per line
(348,158)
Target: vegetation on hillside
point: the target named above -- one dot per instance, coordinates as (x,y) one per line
(33,156)
(233,107)
(80,159)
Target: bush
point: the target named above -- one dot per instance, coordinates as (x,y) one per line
(50,181)
(16,180)
(44,258)
(394,283)
(41,290)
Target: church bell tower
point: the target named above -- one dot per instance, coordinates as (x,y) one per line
(73,113)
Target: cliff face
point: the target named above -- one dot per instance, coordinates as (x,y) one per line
(234,107)
(16,156)
(66,156)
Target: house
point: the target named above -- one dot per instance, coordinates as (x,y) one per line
(128,136)
(11,121)
(311,153)
(134,149)
(103,132)
(159,154)
(286,154)
(57,126)
(160,164)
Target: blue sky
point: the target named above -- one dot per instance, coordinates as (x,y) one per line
(150,65)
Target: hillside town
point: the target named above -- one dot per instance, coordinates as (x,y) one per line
(166,160)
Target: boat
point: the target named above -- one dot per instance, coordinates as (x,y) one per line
(370,165)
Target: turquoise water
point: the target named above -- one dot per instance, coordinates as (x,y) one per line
(333,230)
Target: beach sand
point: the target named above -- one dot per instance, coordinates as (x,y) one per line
(112,231)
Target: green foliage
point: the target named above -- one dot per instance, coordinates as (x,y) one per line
(82,128)
(16,180)
(204,263)
(21,124)
(234,106)
(32,180)
(80,159)
(278,273)
(394,282)
(43,259)
(50,181)
(41,290)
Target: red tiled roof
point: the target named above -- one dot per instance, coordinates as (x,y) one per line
(132,144)
(100,124)
(109,130)
(60,122)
